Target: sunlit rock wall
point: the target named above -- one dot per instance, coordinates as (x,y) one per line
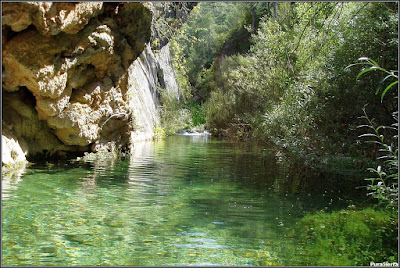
(78,76)
(142,95)
(148,76)
(166,74)
(12,153)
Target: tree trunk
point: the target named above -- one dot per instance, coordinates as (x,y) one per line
(253,14)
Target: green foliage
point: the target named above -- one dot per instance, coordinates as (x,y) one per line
(216,113)
(385,186)
(175,119)
(159,133)
(294,75)
(292,88)
(375,67)
(179,63)
(198,115)
(194,47)
(264,82)
(372,32)
(167,18)
(349,237)
(174,115)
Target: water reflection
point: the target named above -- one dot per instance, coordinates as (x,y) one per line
(188,200)
(10,180)
(89,183)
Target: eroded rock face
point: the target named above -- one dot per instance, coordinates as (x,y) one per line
(75,81)
(50,18)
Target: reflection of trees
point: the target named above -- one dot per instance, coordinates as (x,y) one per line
(179,201)
(206,194)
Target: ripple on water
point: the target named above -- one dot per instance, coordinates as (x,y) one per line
(182,201)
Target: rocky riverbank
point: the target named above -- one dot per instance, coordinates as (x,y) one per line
(80,77)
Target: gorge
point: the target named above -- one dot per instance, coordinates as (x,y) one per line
(211,133)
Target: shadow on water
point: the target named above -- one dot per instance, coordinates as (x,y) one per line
(186,200)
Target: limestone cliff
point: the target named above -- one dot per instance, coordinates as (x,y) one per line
(79,77)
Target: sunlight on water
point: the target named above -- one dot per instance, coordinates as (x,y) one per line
(188,200)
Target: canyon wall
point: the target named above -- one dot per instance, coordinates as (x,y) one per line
(79,77)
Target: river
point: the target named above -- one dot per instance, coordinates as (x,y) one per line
(186,200)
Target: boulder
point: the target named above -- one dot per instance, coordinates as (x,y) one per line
(81,76)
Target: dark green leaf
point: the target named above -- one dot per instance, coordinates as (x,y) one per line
(374,62)
(381,83)
(365,70)
(387,88)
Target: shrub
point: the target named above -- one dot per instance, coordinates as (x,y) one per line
(349,237)
(385,186)
(174,115)
(198,115)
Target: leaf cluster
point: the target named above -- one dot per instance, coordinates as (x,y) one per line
(384,186)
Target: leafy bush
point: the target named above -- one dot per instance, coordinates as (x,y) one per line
(217,114)
(174,115)
(195,45)
(198,115)
(385,186)
(294,75)
(159,133)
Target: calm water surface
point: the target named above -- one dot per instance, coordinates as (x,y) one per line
(182,201)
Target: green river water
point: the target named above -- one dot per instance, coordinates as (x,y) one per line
(186,200)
